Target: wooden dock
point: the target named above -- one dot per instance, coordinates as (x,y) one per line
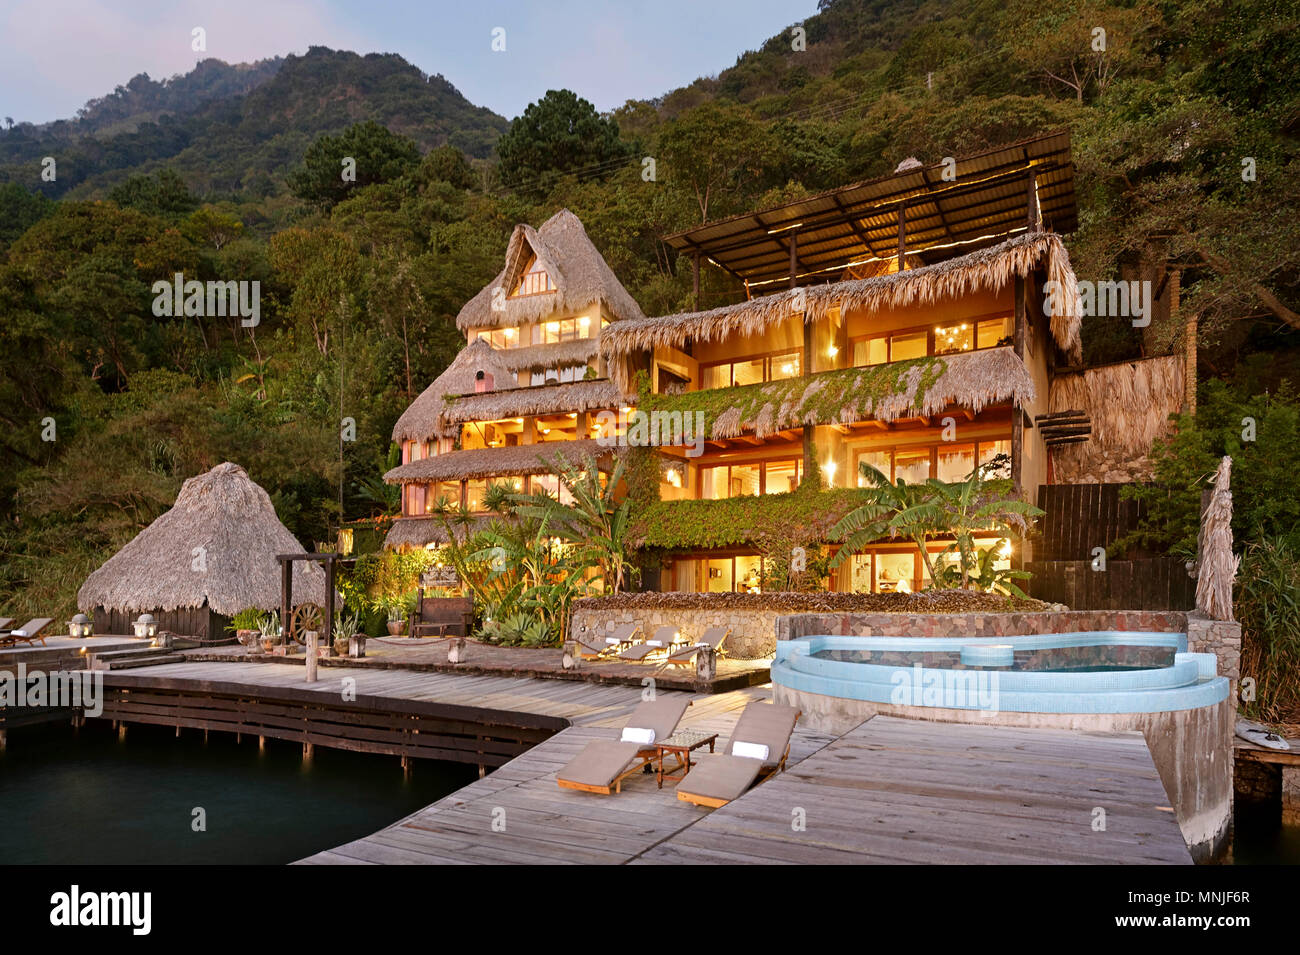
(889,791)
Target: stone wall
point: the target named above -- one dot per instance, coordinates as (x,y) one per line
(1220,637)
(752,631)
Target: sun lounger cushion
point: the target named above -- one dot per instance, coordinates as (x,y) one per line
(635,734)
(600,762)
(662,714)
(750,750)
(721,777)
(768,724)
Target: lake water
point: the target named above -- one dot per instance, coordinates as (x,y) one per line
(84,797)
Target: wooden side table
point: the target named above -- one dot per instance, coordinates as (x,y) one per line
(680,744)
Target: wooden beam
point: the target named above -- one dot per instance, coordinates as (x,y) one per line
(696,280)
(902,236)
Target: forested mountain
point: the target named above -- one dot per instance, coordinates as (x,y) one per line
(361,280)
(236,129)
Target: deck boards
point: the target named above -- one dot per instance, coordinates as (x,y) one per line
(889,791)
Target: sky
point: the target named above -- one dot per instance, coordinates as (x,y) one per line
(57,54)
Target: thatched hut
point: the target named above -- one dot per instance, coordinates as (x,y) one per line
(210,556)
(477,366)
(579,274)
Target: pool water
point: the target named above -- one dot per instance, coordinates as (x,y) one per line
(1072,659)
(84,797)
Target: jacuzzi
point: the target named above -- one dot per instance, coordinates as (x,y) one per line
(1086,673)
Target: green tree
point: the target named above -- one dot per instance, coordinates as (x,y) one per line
(367,150)
(560,133)
(162,194)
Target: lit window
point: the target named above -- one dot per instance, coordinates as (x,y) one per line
(535,281)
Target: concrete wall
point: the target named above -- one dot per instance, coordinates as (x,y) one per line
(1191,749)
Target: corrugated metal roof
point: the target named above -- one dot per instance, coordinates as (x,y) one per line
(987,199)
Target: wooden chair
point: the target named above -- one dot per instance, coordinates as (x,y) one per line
(714,638)
(603,764)
(29,633)
(717,780)
(664,639)
(598,647)
(443,617)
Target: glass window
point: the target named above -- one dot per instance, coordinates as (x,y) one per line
(474,491)
(882,461)
(911,345)
(991,331)
(782,476)
(713,483)
(744,480)
(894,573)
(912,466)
(955,462)
(749,574)
(861,564)
(873,351)
(784,366)
(535,280)
(715,376)
(991,449)
(954,338)
(719,574)
(748,372)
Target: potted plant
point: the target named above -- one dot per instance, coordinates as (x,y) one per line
(394,604)
(345,631)
(245,625)
(269,627)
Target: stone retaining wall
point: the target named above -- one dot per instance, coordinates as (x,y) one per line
(752,631)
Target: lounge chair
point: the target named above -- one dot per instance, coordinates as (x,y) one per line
(29,633)
(685,656)
(603,764)
(596,647)
(665,639)
(5,621)
(759,747)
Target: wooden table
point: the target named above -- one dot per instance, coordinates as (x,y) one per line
(680,744)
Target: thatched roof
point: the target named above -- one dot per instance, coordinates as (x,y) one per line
(983,270)
(592,394)
(498,462)
(232,520)
(580,275)
(1216,564)
(419,531)
(419,422)
(546,357)
(921,386)
(1128,403)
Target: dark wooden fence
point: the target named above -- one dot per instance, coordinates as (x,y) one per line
(1148,583)
(1082,517)
(198,622)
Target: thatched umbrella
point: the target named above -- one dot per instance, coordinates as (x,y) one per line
(1217,564)
(216,546)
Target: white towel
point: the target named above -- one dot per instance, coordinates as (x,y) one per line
(612,640)
(17,633)
(654,643)
(750,750)
(634,734)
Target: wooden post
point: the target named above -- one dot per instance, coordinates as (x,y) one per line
(902,236)
(311,656)
(1018,413)
(329,602)
(286,593)
(794,258)
(695,280)
(1031,202)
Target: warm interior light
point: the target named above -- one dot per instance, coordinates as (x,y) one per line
(573,414)
(509,333)
(1005,549)
(552,326)
(830,467)
(674,477)
(584,321)
(832,351)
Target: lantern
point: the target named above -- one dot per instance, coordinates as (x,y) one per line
(80,626)
(146,626)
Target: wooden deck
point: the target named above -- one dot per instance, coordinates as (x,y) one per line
(905,791)
(889,791)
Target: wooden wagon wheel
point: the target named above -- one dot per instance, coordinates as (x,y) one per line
(306,617)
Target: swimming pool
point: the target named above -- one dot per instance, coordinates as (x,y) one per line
(1094,672)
